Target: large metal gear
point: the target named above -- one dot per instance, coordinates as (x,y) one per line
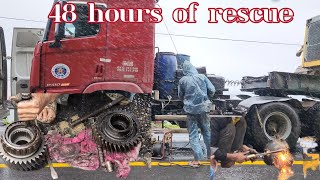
(23,147)
(118,130)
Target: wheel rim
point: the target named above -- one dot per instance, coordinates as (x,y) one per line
(277,125)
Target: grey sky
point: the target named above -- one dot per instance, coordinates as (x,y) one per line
(229,59)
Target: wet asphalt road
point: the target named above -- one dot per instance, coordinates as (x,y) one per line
(262,172)
(137,173)
(239,172)
(245,172)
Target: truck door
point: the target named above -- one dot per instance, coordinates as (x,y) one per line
(23,43)
(80,58)
(3,75)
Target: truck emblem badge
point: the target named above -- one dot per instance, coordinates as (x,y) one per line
(60,71)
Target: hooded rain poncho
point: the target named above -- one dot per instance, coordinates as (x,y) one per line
(193,89)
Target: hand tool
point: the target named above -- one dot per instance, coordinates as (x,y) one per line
(261,155)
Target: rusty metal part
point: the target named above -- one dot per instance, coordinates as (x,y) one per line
(283,161)
(98,111)
(105,164)
(108,166)
(101,156)
(118,130)
(163,148)
(23,147)
(283,83)
(275,145)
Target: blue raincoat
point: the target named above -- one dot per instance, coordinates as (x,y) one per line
(193,88)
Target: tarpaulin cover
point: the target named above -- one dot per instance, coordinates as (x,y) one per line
(81,152)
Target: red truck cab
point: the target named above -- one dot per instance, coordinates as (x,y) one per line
(82,57)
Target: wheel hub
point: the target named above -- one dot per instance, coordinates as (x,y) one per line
(277,125)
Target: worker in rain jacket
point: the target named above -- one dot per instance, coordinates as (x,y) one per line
(193,89)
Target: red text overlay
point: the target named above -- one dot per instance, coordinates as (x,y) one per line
(67,13)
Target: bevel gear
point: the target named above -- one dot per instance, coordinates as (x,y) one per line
(118,130)
(23,147)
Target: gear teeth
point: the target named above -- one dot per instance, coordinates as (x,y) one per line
(122,140)
(140,112)
(35,164)
(30,156)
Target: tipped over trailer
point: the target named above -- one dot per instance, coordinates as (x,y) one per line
(277,111)
(287,105)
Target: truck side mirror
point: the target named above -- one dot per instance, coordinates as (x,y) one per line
(58,35)
(59,31)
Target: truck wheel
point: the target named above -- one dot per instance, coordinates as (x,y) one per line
(317,129)
(316,123)
(277,120)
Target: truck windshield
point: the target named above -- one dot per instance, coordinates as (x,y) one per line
(81,27)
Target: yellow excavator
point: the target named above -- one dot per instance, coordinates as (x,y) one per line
(310,50)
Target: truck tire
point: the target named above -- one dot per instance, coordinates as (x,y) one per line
(316,122)
(276,119)
(317,129)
